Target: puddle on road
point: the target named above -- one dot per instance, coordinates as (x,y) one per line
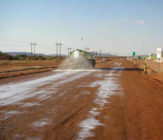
(87,92)
(94,112)
(13,112)
(30,104)
(42,122)
(4,115)
(34,138)
(24,137)
(88,125)
(78,70)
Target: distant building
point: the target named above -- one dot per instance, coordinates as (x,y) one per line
(159,53)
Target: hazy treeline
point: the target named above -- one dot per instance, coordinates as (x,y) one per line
(5,56)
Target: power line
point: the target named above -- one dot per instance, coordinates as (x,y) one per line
(33,45)
(13,40)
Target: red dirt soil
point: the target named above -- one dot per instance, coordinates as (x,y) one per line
(135,114)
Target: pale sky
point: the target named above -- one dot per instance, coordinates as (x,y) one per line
(115,26)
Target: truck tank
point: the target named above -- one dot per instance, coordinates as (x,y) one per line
(82,59)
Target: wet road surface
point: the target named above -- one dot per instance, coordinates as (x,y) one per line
(63,105)
(115,101)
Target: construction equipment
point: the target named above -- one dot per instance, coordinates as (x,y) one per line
(82,59)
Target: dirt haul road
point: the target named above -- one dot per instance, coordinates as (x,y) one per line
(113,102)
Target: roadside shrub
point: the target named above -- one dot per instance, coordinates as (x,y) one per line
(20,57)
(5,56)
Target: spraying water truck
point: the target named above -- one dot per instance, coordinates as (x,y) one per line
(82,59)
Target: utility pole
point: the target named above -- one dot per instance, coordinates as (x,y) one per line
(34,44)
(31,48)
(57,48)
(60,44)
(69,51)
